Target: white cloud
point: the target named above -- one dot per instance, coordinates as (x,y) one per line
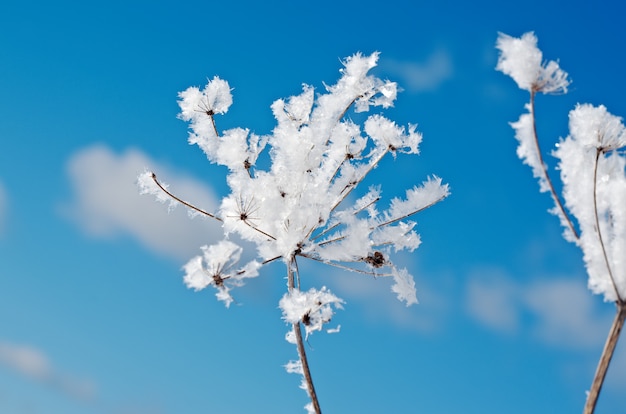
(491,299)
(566,313)
(559,312)
(420,77)
(34,364)
(107,202)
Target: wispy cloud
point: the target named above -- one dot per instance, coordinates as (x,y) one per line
(559,311)
(106,202)
(35,365)
(491,300)
(566,313)
(423,76)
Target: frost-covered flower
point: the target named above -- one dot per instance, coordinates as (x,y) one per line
(591,168)
(215,98)
(521,59)
(312,308)
(594,189)
(303,205)
(594,126)
(299,206)
(216,267)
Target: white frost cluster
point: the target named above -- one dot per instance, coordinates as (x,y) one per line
(590,163)
(312,308)
(521,59)
(303,206)
(217,267)
(527,148)
(596,127)
(594,189)
(299,206)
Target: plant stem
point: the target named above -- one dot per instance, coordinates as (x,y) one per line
(181,201)
(305,368)
(598,229)
(340,266)
(620,316)
(605,359)
(352,185)
(555,197)
(391,221)
(306,372)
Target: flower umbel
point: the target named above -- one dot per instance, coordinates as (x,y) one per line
(302,206)
(521,59)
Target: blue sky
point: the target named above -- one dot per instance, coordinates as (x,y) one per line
(94,317)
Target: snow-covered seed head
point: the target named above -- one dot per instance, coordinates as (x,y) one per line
(521,59)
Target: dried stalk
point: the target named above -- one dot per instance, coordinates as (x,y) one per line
(620,315)
(306,372)
(555,197)
(605,359)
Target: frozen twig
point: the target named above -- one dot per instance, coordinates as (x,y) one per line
(557,201)
(605,359)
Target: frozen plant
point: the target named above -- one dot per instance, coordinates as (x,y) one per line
(304,205)
(591,164)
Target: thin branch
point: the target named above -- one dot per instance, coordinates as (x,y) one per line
(305,368)
(348,156)
(350,269)
(389,242)
(186,204)
(334,226)
(336,173)
(295,267)
(352,185)
(342,115)
(374,201)
(555,197)
(214,126)
(244,210)
(345,111)
(271,260)
(340,238)
(605,359)
(263,263)
(595,212)
(205,108)
(258,229)
(412,213)
(306,372)
(372,92)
